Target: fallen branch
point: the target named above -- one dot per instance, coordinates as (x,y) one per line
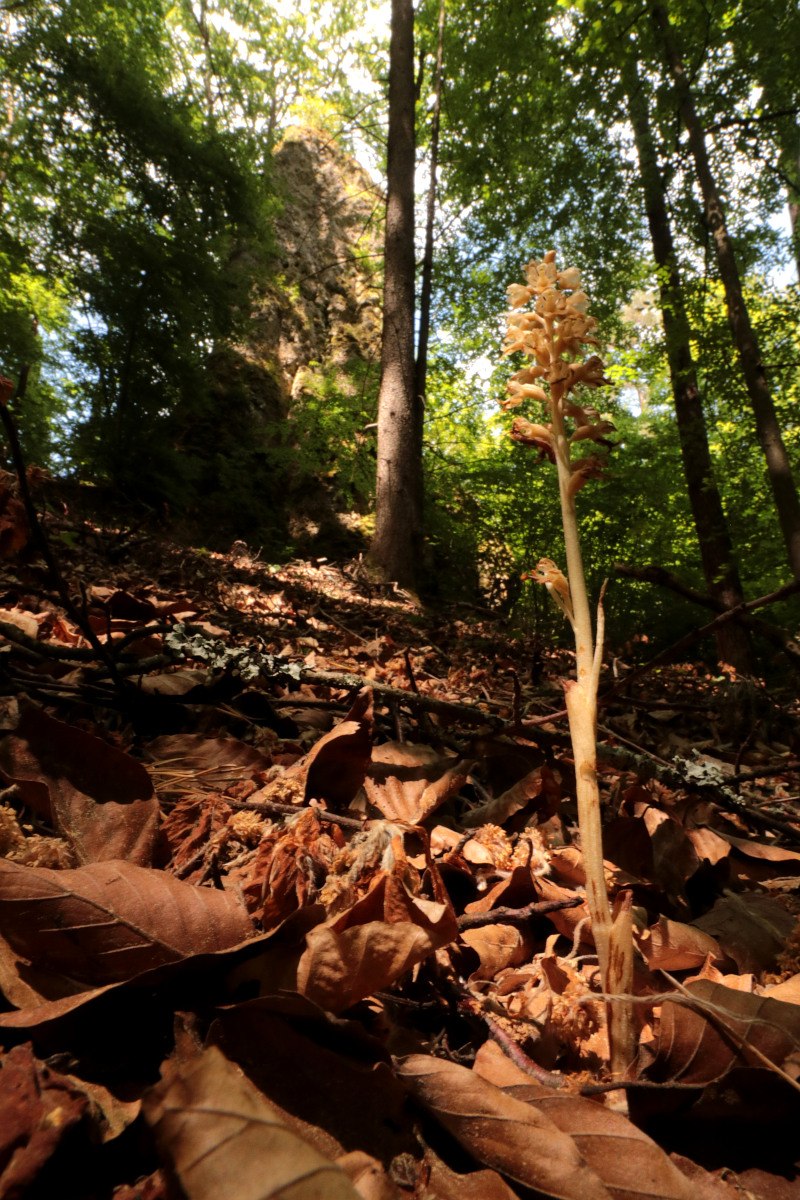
(517,916)
(773,633)
(730,614)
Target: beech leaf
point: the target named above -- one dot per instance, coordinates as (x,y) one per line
(100,798)
(222,1138)
(501,1132)
(110,921)
(406,782)
(696,1048)
(629,1163)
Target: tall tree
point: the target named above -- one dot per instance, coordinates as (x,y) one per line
(716,548)
(398,499)
(779,468)
(430,216)
(127,199)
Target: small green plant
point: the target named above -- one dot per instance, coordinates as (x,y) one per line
(549,324)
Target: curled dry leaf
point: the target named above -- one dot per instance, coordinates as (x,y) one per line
(406,782)
(376,941)
(539,784)
(37,1108)
(221,1137)
(673,946)
(368,1176)
(702,1044)
(110,921)
(497,947)
(100,798)
(629,1163)
(338,762)
(447,1184)
(501,1132)
(212,764)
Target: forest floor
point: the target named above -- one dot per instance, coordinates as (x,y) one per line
(291,897)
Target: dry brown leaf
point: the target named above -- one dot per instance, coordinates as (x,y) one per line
(698,1047)
(336,766)
(376,941)
(368,1176)
(212,764)
(111,921)
(100,798)
(177,683)
(222,1138)
(321,1073)
(629,1163)
(37,1108)
(498,946)
(751,929)
(537,784)
(788,990)
(673,946)
(501,1132)
(407,782)
(447,1184)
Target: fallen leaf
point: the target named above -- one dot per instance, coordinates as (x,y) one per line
(100,798)
(628,1162)
(222,1137)
(701,1044)
(37,1108)
(376,941)
(368,1176)
(110,921)
(673,946)
(539,784)
(751,929)
(499,1131)
(212,764)
(337,764)
(406,782)
(177,683)
(497,947)
(329,1078)
(446,1184)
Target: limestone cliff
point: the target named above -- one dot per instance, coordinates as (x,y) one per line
(328,309)
(314,336)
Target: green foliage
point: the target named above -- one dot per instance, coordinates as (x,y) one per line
(331,427)
(124,204)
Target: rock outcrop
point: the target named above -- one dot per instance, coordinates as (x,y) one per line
(316,324)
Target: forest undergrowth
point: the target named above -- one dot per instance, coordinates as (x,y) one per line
(291,895)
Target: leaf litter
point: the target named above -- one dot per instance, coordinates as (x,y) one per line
(291,899)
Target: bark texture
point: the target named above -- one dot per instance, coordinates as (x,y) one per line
(427,257)
(769,432)
(716,548)
(398,500)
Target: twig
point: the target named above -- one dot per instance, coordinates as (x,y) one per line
(730,614)
(516,916)
(552,1079)
(268,808)
(464,712)
(424,719)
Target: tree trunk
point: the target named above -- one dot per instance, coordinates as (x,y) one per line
(398,498)
(427,257)
(769,433)
(716,548)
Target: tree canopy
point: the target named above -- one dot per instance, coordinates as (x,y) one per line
(139,200)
